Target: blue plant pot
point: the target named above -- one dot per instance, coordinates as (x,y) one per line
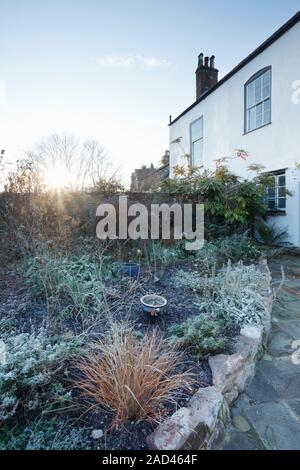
(130,269)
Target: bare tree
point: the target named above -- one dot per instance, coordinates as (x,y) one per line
(95,165)
(86,162)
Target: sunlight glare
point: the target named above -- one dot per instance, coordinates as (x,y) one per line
(57,178)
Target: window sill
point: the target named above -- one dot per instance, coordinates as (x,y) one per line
(276,213)
(257,128)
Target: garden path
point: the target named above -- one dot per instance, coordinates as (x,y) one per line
(267,414)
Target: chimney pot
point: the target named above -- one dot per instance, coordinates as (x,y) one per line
(200,60)
(206,75)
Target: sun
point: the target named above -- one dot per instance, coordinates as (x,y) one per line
(58,178)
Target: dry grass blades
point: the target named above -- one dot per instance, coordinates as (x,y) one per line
(134,378)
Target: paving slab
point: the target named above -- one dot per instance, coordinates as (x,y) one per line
(281,343)
(261,391)
(271,401)
(275,426)
(290,327)
(285,308)
(242,402)
(240,441)
(241,424)
(290,264)
(295,407)
(283,375)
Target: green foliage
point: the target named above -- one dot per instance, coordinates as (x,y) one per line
(29,372)
(45,434)
(270,234)
(237,248)
(217,253)
(230,203)
(200,334)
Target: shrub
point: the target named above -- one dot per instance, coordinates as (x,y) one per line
(270,234)
(236,295)
(163,256)
(231,204)
(238,248)
(76,281)
(191,280)
(202,335)
(28,222)
(231,295)
(42,434)
(5,326)
(29,372)
(134,378)
(208,257)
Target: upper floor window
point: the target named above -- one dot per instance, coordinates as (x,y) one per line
(196,138)
(276,193)
(258,100)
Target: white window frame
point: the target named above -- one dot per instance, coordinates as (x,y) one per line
(277,193)
(197,140)
(259,103)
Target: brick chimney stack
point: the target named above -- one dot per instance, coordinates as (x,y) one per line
(206,75)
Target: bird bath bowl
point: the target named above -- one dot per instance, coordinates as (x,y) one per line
(153,304)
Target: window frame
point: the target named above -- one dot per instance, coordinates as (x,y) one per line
(252,79)
(198,140)
(277,196)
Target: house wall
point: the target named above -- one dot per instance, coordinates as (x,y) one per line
(276,146)
(290,220)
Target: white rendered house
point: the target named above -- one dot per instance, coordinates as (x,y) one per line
(255,107)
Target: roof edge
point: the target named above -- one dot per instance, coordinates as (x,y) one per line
(267,43)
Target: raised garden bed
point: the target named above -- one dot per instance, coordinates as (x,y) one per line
(202,422)
(195,422)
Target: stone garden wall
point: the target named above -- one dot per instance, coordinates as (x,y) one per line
(201,424)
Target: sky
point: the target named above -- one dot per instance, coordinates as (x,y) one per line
(115,70)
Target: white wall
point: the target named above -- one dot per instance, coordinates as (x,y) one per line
(276,146)
(290,221)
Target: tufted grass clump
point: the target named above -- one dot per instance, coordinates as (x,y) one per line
(133,378)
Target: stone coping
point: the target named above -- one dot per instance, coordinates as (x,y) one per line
(201,424)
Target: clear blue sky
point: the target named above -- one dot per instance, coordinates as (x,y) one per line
(115,70)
